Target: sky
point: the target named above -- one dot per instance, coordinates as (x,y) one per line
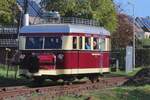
(142,7)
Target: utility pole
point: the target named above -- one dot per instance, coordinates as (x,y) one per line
(26,6)
(133,15)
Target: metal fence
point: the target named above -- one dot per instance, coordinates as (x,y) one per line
(8,36)
(8,43)
(8,30)
(142,57)
(65,20)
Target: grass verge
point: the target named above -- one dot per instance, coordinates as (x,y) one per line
(123,73)
(11,72)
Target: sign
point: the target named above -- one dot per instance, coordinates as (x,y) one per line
(129,59)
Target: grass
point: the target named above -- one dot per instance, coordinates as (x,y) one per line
(123,73)
(10,79)
(118,93)
(11,72)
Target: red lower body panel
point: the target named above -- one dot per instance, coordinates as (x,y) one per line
(83,59)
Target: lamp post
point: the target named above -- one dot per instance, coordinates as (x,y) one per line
(133,15)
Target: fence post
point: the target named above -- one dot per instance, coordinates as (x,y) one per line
(6,60)
(117,65)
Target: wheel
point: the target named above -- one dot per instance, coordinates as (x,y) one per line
(68,80)
(94,78)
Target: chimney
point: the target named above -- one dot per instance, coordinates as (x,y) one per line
(26,15)
(26,19)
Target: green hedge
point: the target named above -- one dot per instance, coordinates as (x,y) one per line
(142,57)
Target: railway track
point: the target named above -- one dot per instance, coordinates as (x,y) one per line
(11,93)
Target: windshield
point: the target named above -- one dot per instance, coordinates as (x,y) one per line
(102,44)
(53,43)
(34,42)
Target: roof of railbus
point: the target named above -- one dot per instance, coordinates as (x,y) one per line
(64,28)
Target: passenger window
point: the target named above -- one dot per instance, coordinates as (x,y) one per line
(74,42)
(95,43)
(80,42)
(88,43)
(53,43)
(34,42)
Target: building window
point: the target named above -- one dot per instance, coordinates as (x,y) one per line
(87,43)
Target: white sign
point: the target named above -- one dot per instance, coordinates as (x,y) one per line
(129,59)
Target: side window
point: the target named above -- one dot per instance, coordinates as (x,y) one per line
(102,44)
(95,43)
(34,42)
(53,43)
(87,43)
(74,43)
(80,42)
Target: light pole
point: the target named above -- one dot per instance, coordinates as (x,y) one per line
(133,15)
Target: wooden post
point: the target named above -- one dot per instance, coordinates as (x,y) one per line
(117,65)
(6,64)
(6,60)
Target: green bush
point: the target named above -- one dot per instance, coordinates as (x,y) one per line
(142,57)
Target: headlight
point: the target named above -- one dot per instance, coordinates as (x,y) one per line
(60,56)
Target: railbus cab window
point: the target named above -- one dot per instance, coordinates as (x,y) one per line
(34,43)
(102,44)
(53,43)
(87,43)
(74,43)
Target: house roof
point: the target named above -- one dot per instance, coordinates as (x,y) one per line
(144,23)
(34,8)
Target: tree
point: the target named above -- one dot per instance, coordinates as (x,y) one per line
(100,10)
(7,10)
(124,33)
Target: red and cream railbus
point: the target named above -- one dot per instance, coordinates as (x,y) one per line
(64,51)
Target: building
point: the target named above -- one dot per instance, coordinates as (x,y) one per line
(144,24)
(9,34)
(8,41)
